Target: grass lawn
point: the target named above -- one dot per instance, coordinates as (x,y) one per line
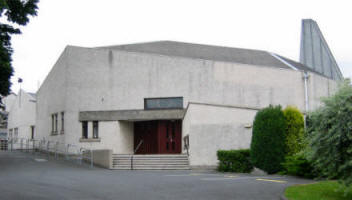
(325,190)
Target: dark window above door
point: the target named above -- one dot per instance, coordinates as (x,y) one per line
(163,103)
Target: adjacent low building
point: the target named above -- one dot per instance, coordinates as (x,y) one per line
(22,116)
(5,105)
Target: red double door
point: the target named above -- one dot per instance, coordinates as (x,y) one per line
(159,137)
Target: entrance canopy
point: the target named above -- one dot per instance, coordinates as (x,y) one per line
(131,115)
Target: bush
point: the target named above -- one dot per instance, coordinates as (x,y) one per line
(294,130)
(330,136)
(234,161)
(298,165)
(268,139)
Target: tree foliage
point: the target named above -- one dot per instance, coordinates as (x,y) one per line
(268,139)
(330,135)
(11,12)
(294,130)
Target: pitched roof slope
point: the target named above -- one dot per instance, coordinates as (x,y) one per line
(209,52)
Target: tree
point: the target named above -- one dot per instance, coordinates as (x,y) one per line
(268,139)
(294,130)
(330,135)
(11,12)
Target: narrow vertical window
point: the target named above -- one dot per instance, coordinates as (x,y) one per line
(62,122)
(95,129)
(85,129)
(52,124)
(32,132)
(56,123)
(16,134)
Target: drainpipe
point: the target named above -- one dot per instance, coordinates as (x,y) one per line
(306,97)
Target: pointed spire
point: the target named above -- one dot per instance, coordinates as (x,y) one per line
(315,52)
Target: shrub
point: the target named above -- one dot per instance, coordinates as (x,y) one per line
(330,136)
(234,161)
(294,130)
(298,165)
(268,139)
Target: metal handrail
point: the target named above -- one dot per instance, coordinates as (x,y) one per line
(3,144)
(9,143)
(140,143)
(135,150)
(48,148)
(53,147)
(60,148)
(21,144)
(83,150)
(75,151)
(27,145)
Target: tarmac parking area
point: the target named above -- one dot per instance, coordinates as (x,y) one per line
(29,176)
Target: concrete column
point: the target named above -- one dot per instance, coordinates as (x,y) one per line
(90,129)
(58,123)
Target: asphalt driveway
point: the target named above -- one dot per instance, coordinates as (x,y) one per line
(28,176)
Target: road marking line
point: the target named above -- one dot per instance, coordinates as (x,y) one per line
(216,179)
(230,176)
(178,175)
(193,174)
(221,178)
(270,180)
(40,160)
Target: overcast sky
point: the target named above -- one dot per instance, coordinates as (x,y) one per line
(269,25)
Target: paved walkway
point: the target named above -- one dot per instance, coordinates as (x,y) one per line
(25,176)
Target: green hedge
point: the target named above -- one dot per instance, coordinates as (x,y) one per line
(234,161)
(268,139)
(298,165)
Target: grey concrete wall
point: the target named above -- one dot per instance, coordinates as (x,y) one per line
(51,98)
(318,87)
(115,135)
(212,128)
(114,80)
(103,158)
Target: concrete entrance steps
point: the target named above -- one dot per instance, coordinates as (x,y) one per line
(151,161)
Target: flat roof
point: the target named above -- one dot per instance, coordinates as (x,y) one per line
(131,115)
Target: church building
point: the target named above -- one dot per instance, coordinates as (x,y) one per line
(173,98)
